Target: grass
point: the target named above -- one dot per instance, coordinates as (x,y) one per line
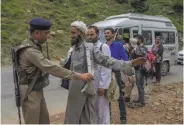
(17,13)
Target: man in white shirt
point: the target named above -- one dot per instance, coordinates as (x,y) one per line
(102,78)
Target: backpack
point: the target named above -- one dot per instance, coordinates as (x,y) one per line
(148,69)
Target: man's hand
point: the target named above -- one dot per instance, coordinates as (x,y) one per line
(139,61)
(101,92)
(57,57)
(86,77)
(127,84)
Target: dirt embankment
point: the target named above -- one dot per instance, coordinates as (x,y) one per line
(164,105)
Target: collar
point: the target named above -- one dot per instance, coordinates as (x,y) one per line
(97,43)
(35,42)
(113,42)
(79,45)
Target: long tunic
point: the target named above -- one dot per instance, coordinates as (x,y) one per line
(81,106)
(102,80)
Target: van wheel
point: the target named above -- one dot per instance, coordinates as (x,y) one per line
(164,68)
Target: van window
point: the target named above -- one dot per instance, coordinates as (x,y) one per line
(166,37)
(126,33)
(146,34)
(118,34)
(147,37)
(171,38)
(122,35)
(135,33)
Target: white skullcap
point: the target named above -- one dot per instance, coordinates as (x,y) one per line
(133,42)
(80,25)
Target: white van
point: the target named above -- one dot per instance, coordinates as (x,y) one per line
(131,24)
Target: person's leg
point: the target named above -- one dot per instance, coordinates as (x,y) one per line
(137,76)
(122,107)
(110,110)
(30,106)
(159,72)
(141,87)
(31,109)
(44,114)
(88,114)
(102,110)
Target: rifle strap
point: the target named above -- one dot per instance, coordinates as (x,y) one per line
(101,47)
(31,85)
(47,47)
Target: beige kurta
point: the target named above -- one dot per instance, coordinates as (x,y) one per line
(81,106)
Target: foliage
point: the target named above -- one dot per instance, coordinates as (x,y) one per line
(15,16)
(178,6)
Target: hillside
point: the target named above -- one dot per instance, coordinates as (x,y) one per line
(17,13)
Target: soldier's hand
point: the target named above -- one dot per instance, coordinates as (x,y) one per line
(101,92)
(58,58)
(86,76)
(139,61)
(127,84)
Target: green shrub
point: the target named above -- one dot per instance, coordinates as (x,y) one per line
(139,5)
(178,6)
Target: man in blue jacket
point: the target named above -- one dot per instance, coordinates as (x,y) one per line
(117,52)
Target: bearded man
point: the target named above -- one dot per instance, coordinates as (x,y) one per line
(81,103)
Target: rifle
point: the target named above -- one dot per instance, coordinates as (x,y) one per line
(16,82)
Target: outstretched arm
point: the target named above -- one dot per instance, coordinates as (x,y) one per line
(108,61)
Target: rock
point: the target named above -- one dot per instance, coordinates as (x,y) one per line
(179,93)
(65,5)
(147,97)
(169,87)
(154,108)
(156,103)
(60,31)
(168,117)
(176,107)
(52,33)
(170,109)
(28,11)
(170,12)
(180,100)
(57,116)
(178,112)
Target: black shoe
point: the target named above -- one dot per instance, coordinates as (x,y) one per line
(140,104)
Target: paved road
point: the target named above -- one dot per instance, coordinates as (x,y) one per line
(54,94)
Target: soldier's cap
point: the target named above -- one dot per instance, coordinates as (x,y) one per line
(40,24)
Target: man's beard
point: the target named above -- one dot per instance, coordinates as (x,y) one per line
(92,40)
(75,40)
